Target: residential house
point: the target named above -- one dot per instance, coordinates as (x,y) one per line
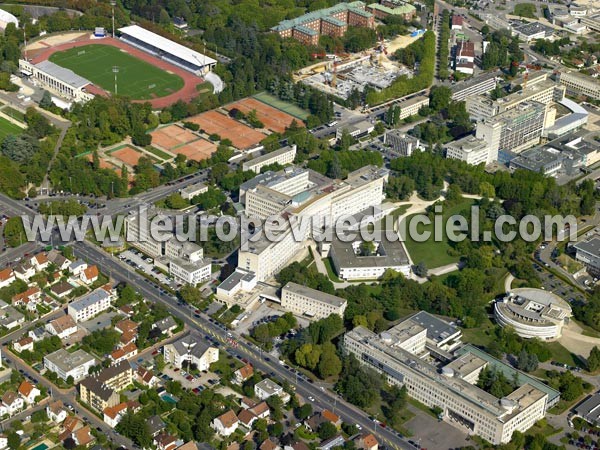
(165,441)
(242,374)
(225,424)
(24,344)
(90,304)
(7,276)
(261,410)
(268,444)
(124,353)
(56,258)
(56,411)
(155,425)
(266,388)
(3,441)
(9,317)
(12,402)
(166,325)
(77,267)
(127,310)
(190,445)
(114,414)
(90,274)
(328,444)
(300,445)
(332,417)
(83,436)
(128,329)
(38,334)
(314,422)
(247,403)
(368,442)
(63,327)
(69,425)
(247,418)
(28,392)
(146,377)
(40,261)
(62,289)
(24,271)
(31,295)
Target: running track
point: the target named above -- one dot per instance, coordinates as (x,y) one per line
(186,93)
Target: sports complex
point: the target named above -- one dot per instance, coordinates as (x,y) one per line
(140,64)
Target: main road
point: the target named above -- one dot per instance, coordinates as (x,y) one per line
(121,272)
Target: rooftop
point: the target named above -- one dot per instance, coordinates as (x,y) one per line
(65,75)
(438,330)
(89,299)
(314,294)
(268,156)
(68,361)
(318,15)
(388,254)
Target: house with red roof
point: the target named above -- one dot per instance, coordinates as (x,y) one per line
(90,274)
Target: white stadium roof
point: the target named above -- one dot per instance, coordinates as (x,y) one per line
(167,45)
(6,18)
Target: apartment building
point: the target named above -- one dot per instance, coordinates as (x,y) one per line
(283,156)
(65,364)
(311,303)
(399,354)
(481,84)
(101,390)
(333,21)
(186,262)
(579,84)
(191,191)
(411,105)
(393,8)
(90,305)
(470,149)
(402,144)
(191,349)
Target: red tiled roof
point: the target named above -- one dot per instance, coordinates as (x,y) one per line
(25,388)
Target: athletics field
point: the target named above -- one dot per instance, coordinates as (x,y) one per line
(136,79)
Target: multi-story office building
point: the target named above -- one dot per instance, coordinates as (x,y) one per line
(439,379)
(579,84)
(521,127)
(333,21)
(481,84)
(90,305)
(591,21)
(401,144)
(588,253)
(189,192)
(311,303)
(65,364)
(101,390)
(283,156)
(471,150)
(411,105)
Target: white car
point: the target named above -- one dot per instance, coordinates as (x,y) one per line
(311,398)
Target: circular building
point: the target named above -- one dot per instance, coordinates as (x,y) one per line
(533,313)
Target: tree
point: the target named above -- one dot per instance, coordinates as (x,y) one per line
(367,248)
(38,125)
(439,98)
(330,364)
(420,269)
(593,361)
(46,101)
(304,411)
(14,232)
(14,440)
(326,430)
(346,140)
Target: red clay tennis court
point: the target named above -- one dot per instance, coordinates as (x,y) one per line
(272,118)
(128,155)
(104,164)
(241,136)
(171,136)
(197,150)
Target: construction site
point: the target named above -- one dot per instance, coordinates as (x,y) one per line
(340,74)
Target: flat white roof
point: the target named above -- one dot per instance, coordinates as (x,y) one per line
(167,45)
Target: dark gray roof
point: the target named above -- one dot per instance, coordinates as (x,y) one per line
(155,425)
(589,409)
(165,324)
(437,329)
(96,382)
(192,344)
(65,75)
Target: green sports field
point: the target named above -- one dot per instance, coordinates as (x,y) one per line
(136,78)
(7,128)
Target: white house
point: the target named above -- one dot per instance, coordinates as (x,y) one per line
(24,344)
(3,441)
(56,411)
(63,327)
(7,276)
(28,392)
(225,424)
(77,267)
(266,388)
(12,402)
(40,261)
(89,275)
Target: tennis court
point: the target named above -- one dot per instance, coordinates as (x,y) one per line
(171,136)
(128,155)
(241,136)
(197,150)
(137,79)
(272,118)
(286,107)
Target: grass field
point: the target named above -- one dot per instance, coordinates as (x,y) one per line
(11,112)
(158,153)
(136,78)
(286,107)
(7,128)
(435,254)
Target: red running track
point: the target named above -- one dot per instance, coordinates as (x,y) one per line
(186,93)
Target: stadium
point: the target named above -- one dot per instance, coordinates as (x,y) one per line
(140,64)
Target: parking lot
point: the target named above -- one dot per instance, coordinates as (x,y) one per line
(555,285)
(138,260)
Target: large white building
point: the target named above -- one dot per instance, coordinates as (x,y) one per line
(304,195)
(65,364)
(579,84)
(164,48)
(191,349)
(283,156)
(533,313)
(438,379)
(57,80)
(588,253)
(304,301)
(90,305)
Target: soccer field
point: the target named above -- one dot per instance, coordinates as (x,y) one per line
(136,78)
(7,128)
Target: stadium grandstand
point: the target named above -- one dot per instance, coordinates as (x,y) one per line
(6,18)
(164,48)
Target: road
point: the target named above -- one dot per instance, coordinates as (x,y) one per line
(120,272)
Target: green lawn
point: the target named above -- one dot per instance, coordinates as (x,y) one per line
(136,78)
(286,107)
(7,128)
(158,153)
(432,253)
(11,112)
